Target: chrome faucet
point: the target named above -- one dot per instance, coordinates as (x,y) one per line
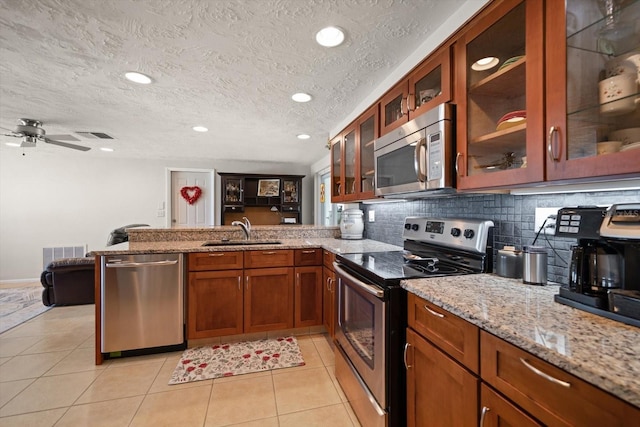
(246,227)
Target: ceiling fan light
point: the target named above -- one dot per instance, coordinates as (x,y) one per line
(330,37)
(200,129)
(301,97)
(136,77)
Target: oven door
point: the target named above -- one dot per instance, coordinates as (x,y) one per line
(361,331)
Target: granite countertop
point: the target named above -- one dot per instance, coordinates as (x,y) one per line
(332,244)
(600,351)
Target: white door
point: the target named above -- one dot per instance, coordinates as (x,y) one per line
(192,198)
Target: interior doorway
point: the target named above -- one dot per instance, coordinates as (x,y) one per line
(190,197)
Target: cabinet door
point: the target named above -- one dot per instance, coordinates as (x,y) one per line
(500,111)
(439,391)
(311,256)
(584,47)
(308,297)
(430,83)
(329,301)
(547,392)
(227,260)
(351,185)
(214,304)
(394,111)
(268,302)
(367,134)
(496,411)
(337,186)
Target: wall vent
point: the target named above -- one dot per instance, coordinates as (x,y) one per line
(54,253)
(94,135)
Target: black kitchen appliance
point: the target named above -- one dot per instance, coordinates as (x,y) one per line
(604,274)
(372,308)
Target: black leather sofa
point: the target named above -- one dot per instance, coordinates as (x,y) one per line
(71,281)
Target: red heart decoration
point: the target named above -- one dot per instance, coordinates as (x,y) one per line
(191,194)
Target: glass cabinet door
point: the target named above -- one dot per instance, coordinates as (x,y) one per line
(367,130)
(593,101)
(350,185)
(290,191)
(393,108)
(336,169)
(233,191)
(430,84)
(501,117)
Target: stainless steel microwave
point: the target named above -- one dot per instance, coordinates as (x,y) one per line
(417,157)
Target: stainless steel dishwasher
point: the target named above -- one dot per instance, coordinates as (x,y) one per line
(142,300)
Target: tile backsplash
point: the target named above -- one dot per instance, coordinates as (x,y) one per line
(514,218)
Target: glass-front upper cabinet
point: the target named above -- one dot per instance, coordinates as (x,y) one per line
(593,103)
(336,169)
(349,159)
(500,108)
(424,88)
(233,191)
(367,134)
(290,191)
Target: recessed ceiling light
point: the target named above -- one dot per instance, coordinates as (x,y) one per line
(485,63)
(200,129)
(138,78)
(301,97)
(106,149)
(330,37)
(304,136)
(13,144)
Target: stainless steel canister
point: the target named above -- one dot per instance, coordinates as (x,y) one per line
(534,265)
(509,263)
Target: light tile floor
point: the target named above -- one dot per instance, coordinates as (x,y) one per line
(48,378)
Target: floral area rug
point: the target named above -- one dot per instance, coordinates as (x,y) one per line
(17,305)
(226,360)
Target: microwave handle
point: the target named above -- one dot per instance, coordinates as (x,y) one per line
(422,176)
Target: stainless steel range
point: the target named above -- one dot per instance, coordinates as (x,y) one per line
(372,308)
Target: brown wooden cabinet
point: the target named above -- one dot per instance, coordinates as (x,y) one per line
(352,166)
(214,294)
(428,85)
(577,51)
(329,293)
(268,299)
(500,91)
(441,362)
(264,199)
(548,393)
(497,411)
(440,391)
(308,287)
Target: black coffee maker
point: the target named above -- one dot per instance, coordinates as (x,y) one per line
(604,274)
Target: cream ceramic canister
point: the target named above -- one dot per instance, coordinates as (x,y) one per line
(616,94)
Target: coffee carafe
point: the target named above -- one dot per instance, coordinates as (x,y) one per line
(605,268)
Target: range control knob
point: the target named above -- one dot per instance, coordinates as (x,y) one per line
(469,233)
(455,232)
(415,227)
(407,226)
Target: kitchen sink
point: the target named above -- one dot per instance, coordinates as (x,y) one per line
(241,242)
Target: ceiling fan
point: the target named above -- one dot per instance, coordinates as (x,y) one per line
(31,131)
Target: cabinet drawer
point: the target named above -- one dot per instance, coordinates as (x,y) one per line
(550,394)
(328,258)
(203,261)
(455,336)
(311,256)
(268,258)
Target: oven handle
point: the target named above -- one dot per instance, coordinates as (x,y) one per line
(373,290)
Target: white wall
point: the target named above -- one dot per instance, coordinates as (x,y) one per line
(71,198)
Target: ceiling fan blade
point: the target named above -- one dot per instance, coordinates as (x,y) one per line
(66,144)
(63,137)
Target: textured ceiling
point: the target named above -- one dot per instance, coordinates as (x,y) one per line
(231,66)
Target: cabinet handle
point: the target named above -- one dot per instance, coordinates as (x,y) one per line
(552,130)
(298,279)
(218,254)
(482,415)
(404,356)
(409,103)
(402,113)
(435,313)
(545,375)
(329,284)
(239,283)
(246,283)
(457,162)
(309,252)
(269,253)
